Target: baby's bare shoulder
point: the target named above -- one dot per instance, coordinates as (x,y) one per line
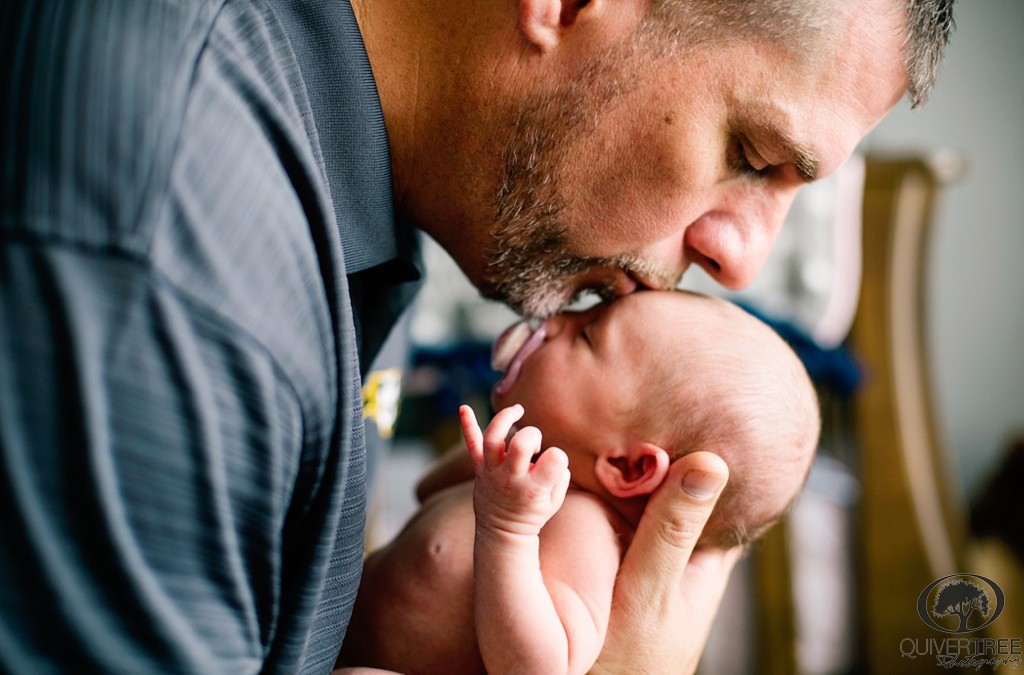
(587,519)
(421,584)
(438,539)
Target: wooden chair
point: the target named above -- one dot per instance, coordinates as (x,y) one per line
(911,530)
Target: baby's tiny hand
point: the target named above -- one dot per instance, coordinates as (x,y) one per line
(514,492)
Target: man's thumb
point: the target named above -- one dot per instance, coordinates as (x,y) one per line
(678,511)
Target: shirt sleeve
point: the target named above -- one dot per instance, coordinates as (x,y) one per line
(147,456)
(182,476)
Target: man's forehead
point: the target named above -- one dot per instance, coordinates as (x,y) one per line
(819,110)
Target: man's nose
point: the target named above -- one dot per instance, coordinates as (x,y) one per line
(732,243)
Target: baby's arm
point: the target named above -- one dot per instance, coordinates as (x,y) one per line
(527,621)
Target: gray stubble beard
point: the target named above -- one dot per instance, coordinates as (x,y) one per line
(531,265)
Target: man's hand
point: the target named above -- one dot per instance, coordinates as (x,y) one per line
(667,594)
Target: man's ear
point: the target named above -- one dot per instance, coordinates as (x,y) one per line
(638,472)
(543,22)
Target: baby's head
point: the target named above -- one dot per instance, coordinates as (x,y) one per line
(744,395)
(627,388)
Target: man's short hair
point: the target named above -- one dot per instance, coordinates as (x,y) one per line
(803,24)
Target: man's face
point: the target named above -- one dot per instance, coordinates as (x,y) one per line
(642,167)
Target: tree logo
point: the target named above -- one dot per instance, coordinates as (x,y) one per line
(960,603)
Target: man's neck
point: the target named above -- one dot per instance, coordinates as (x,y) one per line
(398,56)
(447,74)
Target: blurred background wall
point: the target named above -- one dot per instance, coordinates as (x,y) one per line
(975,299)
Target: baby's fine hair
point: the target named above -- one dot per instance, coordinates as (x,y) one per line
(738,390)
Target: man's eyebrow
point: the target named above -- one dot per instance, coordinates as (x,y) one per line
(803,157)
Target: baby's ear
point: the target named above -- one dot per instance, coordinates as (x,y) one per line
(637,472)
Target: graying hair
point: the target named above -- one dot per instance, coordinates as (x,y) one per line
(806,25)
(928,26)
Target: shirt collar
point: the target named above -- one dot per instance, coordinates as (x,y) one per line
(353,141)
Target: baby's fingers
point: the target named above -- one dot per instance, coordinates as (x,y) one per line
(521,449)
(474,437)
(552,468)
(497,432)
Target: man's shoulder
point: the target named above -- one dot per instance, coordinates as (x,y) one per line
(97,134)
(170,136)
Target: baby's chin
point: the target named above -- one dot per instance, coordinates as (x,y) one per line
(509,398)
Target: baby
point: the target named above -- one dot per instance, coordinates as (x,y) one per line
(513,572)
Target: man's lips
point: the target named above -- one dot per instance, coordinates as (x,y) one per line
(625,283)
(654,279)
(512,348)
(616,281)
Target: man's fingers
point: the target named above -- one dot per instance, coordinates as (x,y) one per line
(672,523)
(703,586)
(706,577)
(682,616)
(663,581)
